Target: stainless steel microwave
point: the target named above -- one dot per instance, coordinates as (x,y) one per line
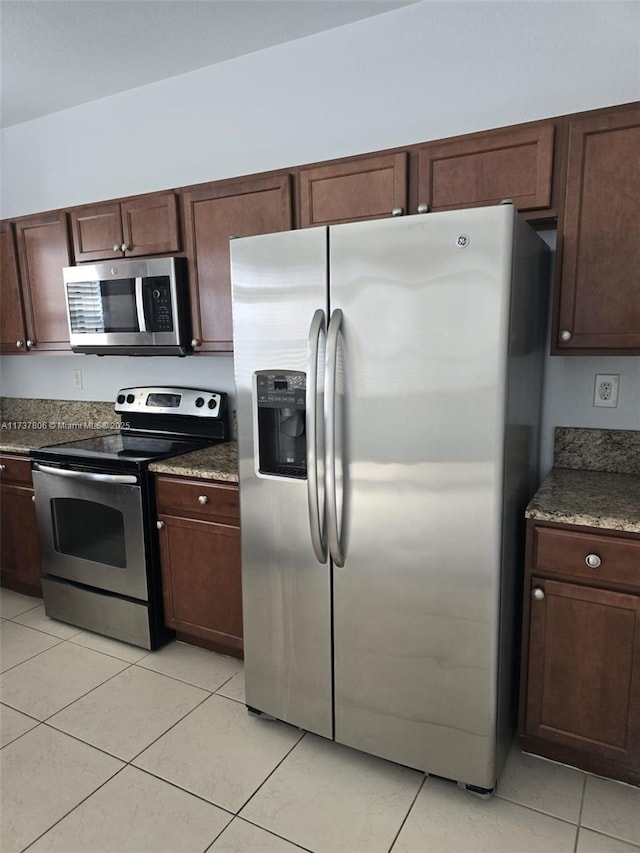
(129,307)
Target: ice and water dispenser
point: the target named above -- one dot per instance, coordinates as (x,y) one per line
(282,443)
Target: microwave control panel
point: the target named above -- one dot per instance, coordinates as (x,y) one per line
(159,316)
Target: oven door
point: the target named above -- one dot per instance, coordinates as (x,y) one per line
(91,528)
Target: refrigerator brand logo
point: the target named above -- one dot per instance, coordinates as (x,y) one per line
(463,241)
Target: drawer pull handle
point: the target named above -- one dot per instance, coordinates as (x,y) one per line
(593,561)
(203,499)
(159,524)
(537,593)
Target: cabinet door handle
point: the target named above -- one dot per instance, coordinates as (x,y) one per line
(159,524)
(203,499)
(116,248)
(593,561)
(537,593)
(3,468)
(33,498)
(423,207)
(565,335)
(30,344)
(19,344)
(195,342)
(397,211)
(125,247)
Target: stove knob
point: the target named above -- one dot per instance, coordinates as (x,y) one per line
(199,402)
(121,398)
(130,398)
(211,404)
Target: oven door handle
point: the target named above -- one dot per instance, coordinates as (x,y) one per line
(87,475)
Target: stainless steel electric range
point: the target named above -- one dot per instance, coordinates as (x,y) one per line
(95,506)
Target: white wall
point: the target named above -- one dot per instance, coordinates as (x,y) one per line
(421,72)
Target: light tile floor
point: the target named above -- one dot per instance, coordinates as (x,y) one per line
(109,749)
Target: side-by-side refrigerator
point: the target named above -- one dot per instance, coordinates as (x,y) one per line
(388,378)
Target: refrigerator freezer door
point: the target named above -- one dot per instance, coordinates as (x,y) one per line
(425,304)
(279,284)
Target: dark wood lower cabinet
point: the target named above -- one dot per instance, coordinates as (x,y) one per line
(580,697)
(200,561)
(19,548)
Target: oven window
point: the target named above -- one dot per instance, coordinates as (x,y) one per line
(88,530)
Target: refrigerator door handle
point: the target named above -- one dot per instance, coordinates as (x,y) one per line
(333,530)
(317,514)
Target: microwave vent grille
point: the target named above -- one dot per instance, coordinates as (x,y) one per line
(85,307)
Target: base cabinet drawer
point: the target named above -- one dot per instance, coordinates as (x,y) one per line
(200,562)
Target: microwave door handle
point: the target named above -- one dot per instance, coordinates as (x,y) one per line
(86,475)
(142,323)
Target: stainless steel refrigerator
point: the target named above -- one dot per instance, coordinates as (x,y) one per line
(388,378)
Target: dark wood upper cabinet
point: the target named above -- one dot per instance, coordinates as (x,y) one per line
(43,251)
(213,213)
(139,226)
(13,333)
(598,272)
(485,168)
(360,188)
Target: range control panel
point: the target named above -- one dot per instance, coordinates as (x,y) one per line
(169,401)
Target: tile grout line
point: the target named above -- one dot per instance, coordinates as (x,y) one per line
(82,696)
(580,810)
(37,654)
(77,805)
(263,829)
(406,817)
(282,760)
(172,726)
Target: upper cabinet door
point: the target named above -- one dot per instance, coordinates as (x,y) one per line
(486,168)
(150,225)
(13,335)
(97,232)
(362,188)
(43,251)
(598,283)
(142,225)
(214,213)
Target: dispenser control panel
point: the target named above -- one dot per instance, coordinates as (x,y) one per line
(281,402)
(281,389)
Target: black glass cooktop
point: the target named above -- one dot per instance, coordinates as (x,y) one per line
(122,448)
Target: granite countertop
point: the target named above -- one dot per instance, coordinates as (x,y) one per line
(219,462)
(590,498)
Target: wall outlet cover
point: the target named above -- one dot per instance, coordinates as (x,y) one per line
(605,392)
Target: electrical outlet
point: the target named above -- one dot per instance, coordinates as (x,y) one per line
(77,379)
(606,390)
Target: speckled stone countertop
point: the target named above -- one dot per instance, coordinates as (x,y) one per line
(27,424)
(590,498)
(211,463)
(595,481)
